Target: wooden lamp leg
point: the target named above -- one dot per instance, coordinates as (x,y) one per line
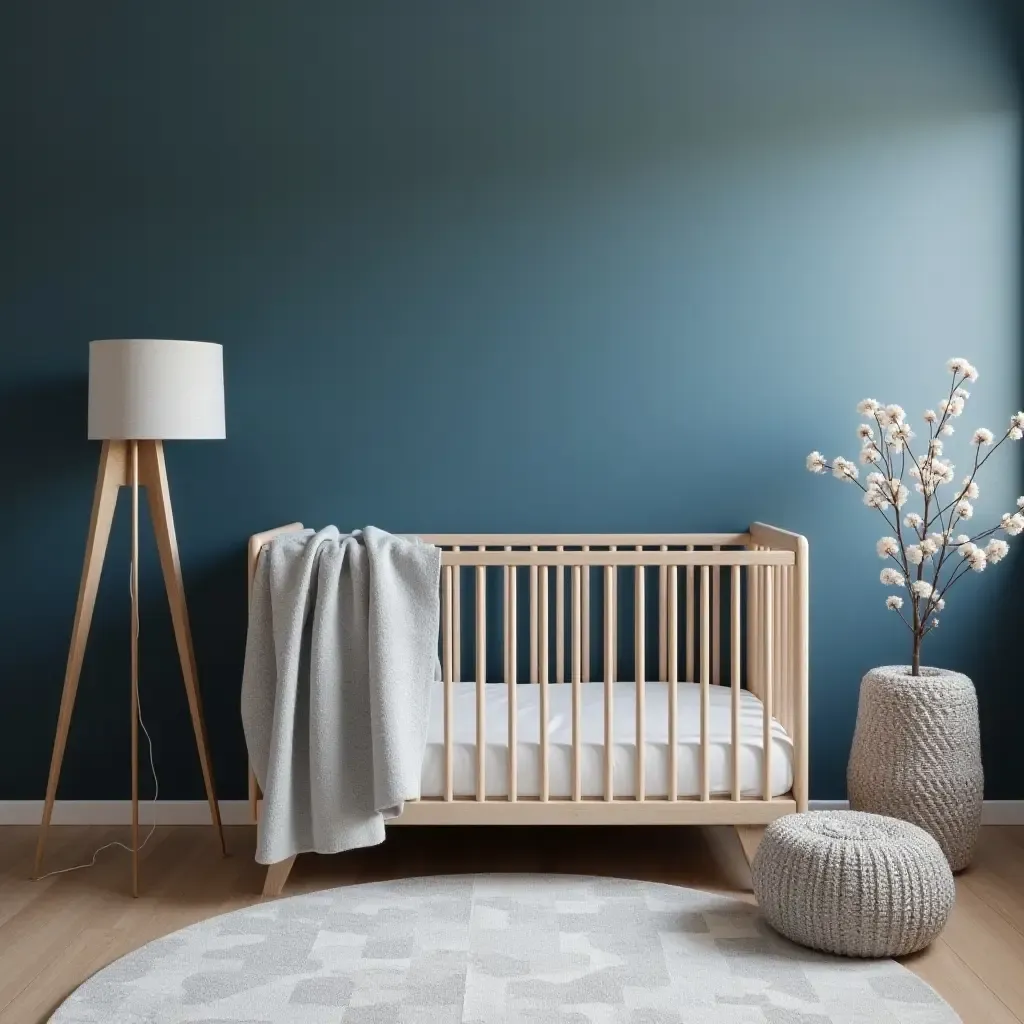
(154,476)
(134,475)
(110,478)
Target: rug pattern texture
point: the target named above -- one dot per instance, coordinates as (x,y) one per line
(497,948)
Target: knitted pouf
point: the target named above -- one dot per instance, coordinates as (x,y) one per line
(853,884)
(917,755)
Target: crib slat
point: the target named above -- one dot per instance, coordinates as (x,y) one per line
(781,695)
(673,679)
(586,618)
(533,620)
(481,681)
(777,638)
(705,683)
(560,621)
(615,618)
(609,679)
(543,664)
(577,776)
(511,640)
(790,651)
(753,630)
(766,697)
(641,672)
(505,573)
(716,643)
(663,619)
(734,665)
(689,619)
(457,623)
(448,687)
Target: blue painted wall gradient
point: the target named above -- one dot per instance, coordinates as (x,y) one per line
(550,266)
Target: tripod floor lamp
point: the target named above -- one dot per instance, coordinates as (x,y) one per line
(142,392)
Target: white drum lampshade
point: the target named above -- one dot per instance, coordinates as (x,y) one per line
(149,389)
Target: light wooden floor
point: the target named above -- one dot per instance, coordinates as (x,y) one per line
(56,932)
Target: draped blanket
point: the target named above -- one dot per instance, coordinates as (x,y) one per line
(340,655)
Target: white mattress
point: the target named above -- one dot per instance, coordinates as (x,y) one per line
(592,752)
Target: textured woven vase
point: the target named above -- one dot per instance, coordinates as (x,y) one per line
(917,755)
(853,884)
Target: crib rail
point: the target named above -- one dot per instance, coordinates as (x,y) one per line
(730,607)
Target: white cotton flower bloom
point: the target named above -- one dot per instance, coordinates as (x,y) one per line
(930,416)
(966,548)
(940,604)
(962,393)
(844,469)
(899,434)
(915,554)
(954,406)
(864,432)
(1020,501)
(935,446)
(970,489)
(895,413)
(961,365)
(996,550)
(874,498)
(947,430)
(978,560)
(894,602)
(964,509)
(921,588)
(935,623)
(961,538)
(900,496)
(868,407)
(891,578)
(869,455)
(982,436)
(883,418)
(887,547)
(816,462)
(1014,524)
(1015,433)
(876,478)
(929,547)
(913,520)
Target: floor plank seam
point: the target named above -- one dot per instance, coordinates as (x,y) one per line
(981,981)
(995,909)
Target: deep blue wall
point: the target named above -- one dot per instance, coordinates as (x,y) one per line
(546,266)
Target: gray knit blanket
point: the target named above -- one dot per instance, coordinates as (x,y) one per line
(339,658)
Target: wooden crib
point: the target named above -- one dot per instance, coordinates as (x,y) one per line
(730,616)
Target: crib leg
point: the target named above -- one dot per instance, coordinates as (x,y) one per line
(277,876)
(750,839)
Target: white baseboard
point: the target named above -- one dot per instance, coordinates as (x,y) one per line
(236,812)
(994,812)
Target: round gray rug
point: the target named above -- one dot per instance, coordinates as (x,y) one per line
(497,948)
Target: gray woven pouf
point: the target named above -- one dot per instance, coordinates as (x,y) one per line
(852,883)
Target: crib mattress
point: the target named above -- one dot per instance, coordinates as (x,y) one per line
(559,730)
